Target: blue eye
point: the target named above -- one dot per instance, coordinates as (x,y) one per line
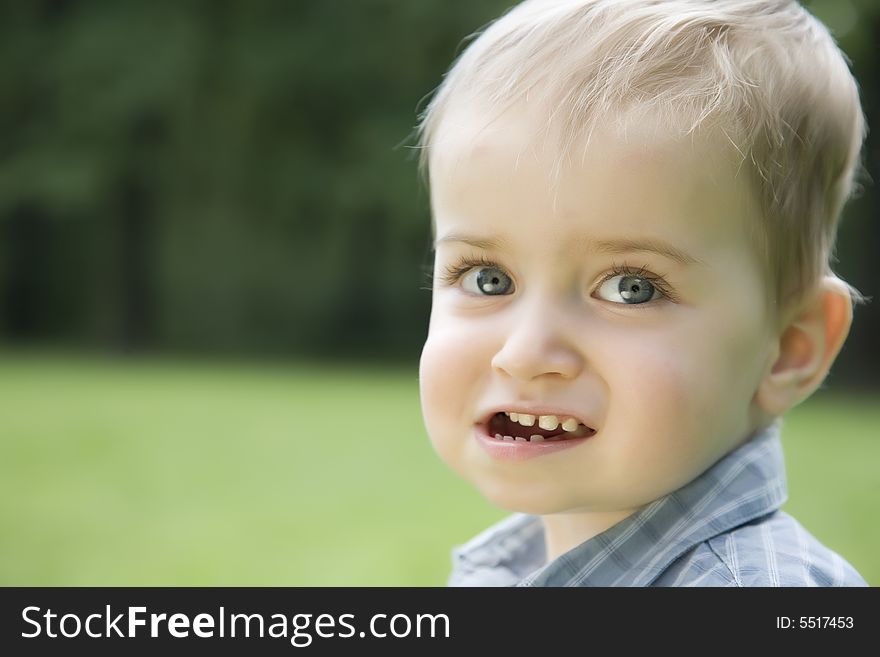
(487,281)
(629,289)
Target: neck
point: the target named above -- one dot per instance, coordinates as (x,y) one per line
(564,531)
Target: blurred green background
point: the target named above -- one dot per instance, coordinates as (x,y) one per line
(213,255)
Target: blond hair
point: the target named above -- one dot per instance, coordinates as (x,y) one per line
(765,72)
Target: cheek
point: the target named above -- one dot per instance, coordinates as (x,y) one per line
(452,366)
(690,378)
(452,371)
(650,386)
(668,417)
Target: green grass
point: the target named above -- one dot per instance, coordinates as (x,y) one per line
(172,473)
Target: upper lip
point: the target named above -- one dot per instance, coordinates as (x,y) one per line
(559,412)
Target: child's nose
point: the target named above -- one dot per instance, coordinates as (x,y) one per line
(538,344)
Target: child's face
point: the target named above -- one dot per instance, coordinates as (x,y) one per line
(530,313)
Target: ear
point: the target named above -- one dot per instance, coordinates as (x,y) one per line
(807,346)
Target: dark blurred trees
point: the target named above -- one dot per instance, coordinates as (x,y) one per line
(856,25)
(217,176)
(232,176)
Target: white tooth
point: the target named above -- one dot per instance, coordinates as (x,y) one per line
(507,414)
(570,424)
(526,420)
(514,416)
(521,439)
(548,422)
(508,437)
(537,438)
(498,436)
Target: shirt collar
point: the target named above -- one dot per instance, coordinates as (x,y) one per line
(746,484)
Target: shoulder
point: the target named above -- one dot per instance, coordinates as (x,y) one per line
(774,550)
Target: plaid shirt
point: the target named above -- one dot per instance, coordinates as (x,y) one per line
(722,529)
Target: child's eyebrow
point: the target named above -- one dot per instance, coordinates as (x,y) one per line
(476,242)
(648,244)
(614,246)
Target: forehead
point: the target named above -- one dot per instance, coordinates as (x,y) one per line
(627,176)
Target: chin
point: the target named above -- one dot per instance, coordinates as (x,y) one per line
(520,499)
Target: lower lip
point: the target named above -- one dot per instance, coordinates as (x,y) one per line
(522,450)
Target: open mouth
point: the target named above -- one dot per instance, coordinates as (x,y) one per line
(536,428)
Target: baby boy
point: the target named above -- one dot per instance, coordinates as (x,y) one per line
(635,205)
